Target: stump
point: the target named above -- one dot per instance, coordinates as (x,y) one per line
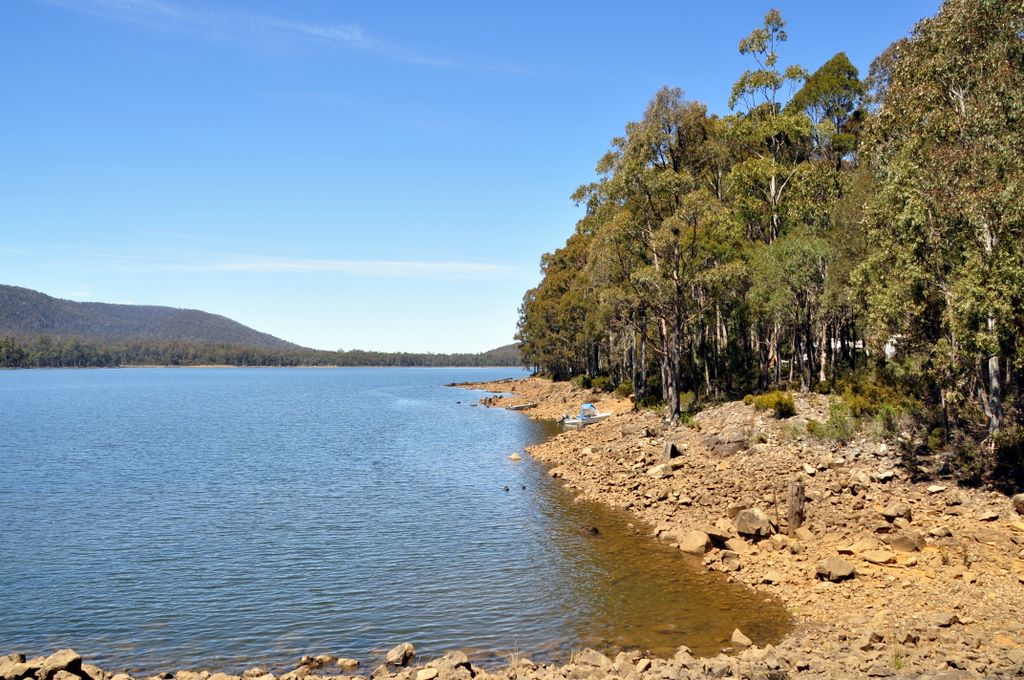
(795,518)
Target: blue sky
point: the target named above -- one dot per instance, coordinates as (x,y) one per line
(344,175)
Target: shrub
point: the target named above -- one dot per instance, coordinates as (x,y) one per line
(580,381)
(686,400)
(839,426)
(602,382)
(780,402)
(625,389)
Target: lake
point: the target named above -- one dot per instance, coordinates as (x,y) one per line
(157,519)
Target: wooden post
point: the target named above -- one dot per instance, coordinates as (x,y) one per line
(796,505)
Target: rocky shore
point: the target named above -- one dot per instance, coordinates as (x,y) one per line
(885,577)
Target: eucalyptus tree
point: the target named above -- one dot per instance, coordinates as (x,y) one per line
(946,272)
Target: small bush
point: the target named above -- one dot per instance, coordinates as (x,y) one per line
(625,389)
(936,439)
(602,382)
(839,426)
(780,402)
(580,381)
(686,400)
(749,400)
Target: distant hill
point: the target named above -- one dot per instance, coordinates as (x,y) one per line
(28,313)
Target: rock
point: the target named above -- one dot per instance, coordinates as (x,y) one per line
(450,664)
(880,670)
(64,675)
(772,577)
(93,672)
(988,516)
(899,509)
(860,545)
(736,508)
(883,476)
(695,543)
(426,674)
(803,534)
(941,532)
(62,660)
(11,669)
(515,456)
(737,545)
(1018,503)
(400,655)
(670,451)
(754,523)
(739,639)
(810,470)
(944,619)
(590,657)
(779,542)
(878,556)
(730,560)
(936,488)
(910,541)
(835,569)
(660,471)
(347,664)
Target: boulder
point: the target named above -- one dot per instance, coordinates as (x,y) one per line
(910,541)
(944,619)
(883,476)
(660,471)
(772,577)
(803,534)
(670,451)
(400,655)
(879,556)
(988,516)
(590,657)
(62,660)
(740,640)
(936,488)
(426,674)
(1018,503)
(347,664)
(753,523)
(695,543)
(835,569)
(730,560)
(12,669)
(898,509)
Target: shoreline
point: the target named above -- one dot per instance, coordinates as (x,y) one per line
(938,582)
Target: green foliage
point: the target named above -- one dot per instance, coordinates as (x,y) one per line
(601,382)
(581,381)
(779,402)
(839,427)
(863,239)
(624,389)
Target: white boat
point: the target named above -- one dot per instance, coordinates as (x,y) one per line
(580,421)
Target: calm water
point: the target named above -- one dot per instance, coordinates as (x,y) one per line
(170,518)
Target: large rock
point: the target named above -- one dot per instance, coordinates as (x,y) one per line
(879,556)
(671,450)
(1018,503)
(753,523)
(695,542)
(660,471)
(835,569)
(62,660)
(15,669)
(898,509)
(910,541)
(400,655)
(740,640)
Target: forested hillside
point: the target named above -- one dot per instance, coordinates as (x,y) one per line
(25,312)
(860,236)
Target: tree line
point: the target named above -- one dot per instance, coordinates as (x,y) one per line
(859,236)
(45,351)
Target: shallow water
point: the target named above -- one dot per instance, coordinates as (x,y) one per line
(168,518)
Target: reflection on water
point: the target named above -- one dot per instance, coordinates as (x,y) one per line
(171,518)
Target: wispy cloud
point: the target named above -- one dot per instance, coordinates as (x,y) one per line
(105,260)
(257,29)
(373,268)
